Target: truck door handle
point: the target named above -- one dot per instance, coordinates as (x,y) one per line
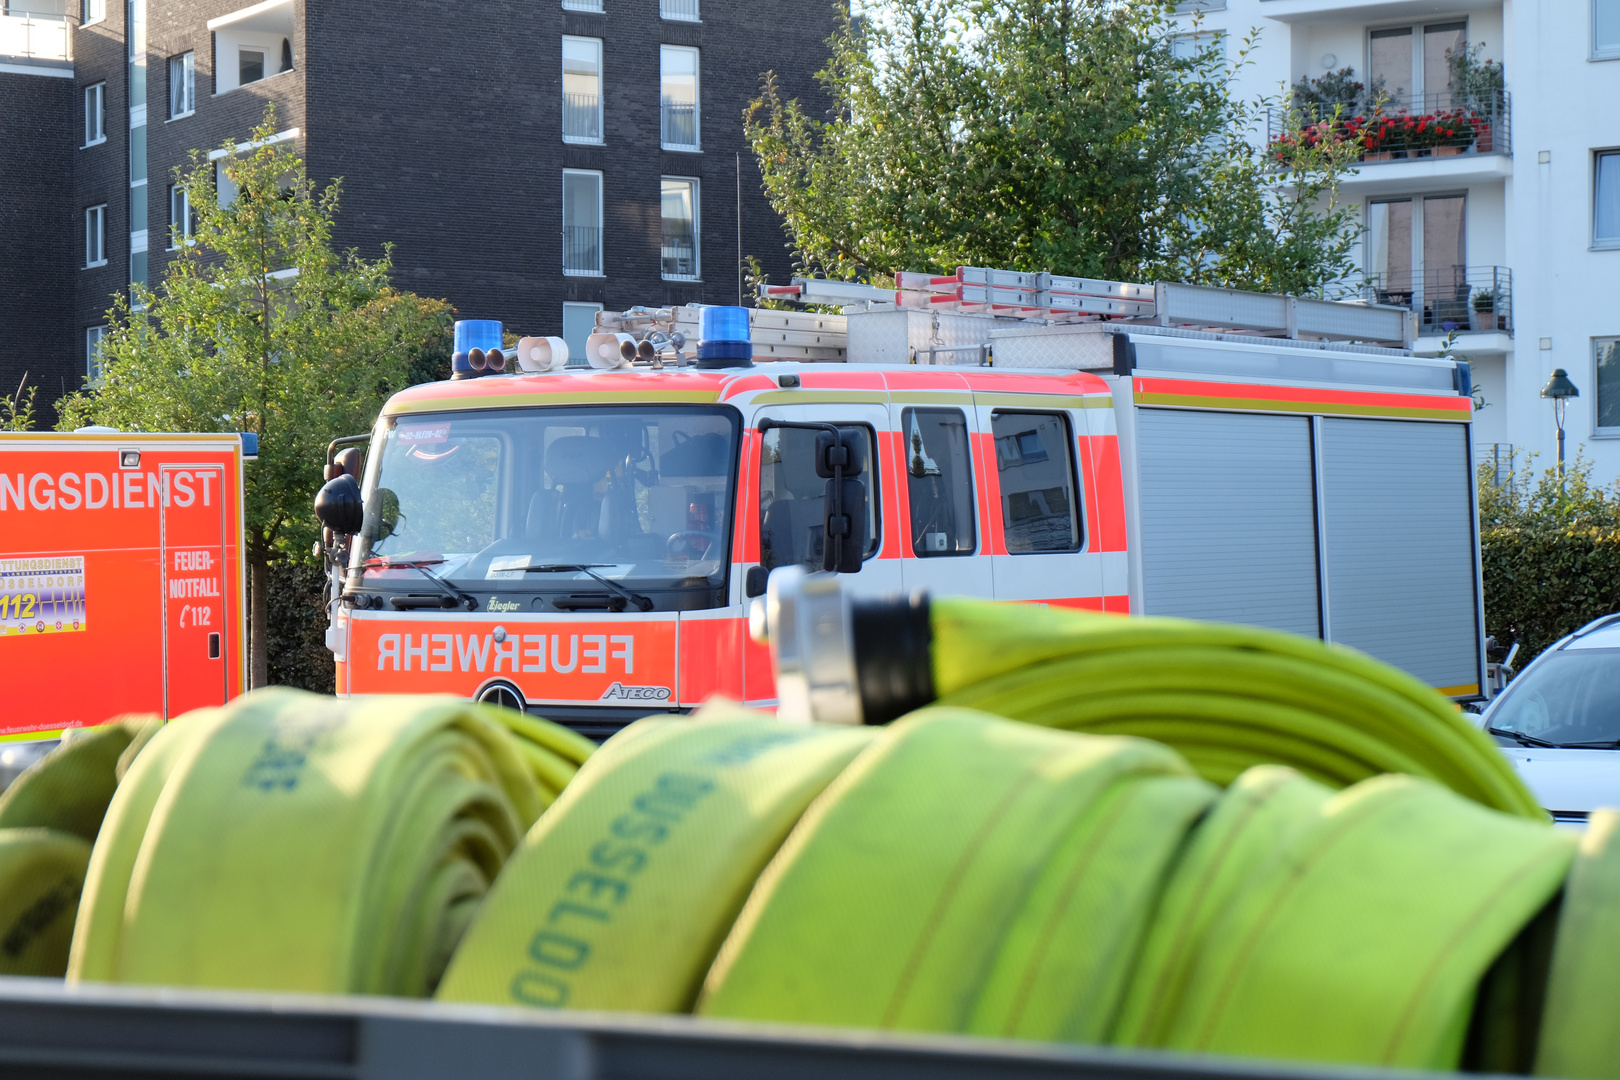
(213,646)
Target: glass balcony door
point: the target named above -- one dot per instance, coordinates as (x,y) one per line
(1409,64)
(582,89)
(1417,257)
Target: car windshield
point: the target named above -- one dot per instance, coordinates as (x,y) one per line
(497,497)
(1570,697)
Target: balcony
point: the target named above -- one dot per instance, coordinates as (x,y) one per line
(679,258)
(1476,300)
(582,118)
(582,250)
(40,36)
(679,126)
(679,10)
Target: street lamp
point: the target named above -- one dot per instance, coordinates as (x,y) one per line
(1560,389)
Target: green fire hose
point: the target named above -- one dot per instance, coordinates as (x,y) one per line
(1194,837)
(49,817)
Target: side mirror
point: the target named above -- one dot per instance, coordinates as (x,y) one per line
(840,460)
(755,581)
(845,527)
(339,506)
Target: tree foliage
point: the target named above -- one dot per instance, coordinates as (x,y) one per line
(1061,135)
(1550,549)
(261,326)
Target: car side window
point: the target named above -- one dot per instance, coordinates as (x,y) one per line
(1040,510)
(939,482)
(793,498)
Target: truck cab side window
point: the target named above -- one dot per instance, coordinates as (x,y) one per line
(939,479)
(792,497)
(1035,457)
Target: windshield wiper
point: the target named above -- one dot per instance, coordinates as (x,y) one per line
(1600,744)
(642,603)
(458,597)
(1522,738)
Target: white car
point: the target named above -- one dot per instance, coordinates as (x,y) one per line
(1559,722)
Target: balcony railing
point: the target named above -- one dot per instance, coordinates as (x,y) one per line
(36,36)
(679,258)
(582,117)
(679,129)
(680,10)
(582,250)
(1401,129)
(1467,299)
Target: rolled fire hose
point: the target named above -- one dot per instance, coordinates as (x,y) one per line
(966,874)
(621,895)
(49,818)
(1579,1037)
(292,842)
(1226,697)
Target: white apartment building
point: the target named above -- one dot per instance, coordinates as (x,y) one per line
(1517,210)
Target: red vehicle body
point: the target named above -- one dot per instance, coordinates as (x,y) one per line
(121,581)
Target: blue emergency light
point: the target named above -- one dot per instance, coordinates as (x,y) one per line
(477,349)
(723,338)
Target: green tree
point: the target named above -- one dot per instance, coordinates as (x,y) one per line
(261,326)
(1061,135)
(17,411)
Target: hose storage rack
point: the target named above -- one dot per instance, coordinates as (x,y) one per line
(51,1031)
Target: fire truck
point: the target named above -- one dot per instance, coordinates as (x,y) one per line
(121,576)
(584,541)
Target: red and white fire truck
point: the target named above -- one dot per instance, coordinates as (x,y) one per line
(121,580)
(585,542)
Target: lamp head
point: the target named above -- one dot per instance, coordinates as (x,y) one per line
(1559,386)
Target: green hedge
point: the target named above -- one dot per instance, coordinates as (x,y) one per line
(1540,584)
(297,628)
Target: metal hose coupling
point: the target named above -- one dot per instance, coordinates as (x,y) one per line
(841,659)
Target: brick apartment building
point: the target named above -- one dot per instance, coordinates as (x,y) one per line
(531,162)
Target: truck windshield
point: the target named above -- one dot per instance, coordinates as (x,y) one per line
(516,500)
(1571,698)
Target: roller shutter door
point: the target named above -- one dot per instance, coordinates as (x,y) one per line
(1228,515)
(1399,544)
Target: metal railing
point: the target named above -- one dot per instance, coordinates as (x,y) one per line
(36,35)
(680,10)
(582,117)
(679,257)
(1402,128)
(679,125)
(582,5)
(582,249)
(1500,457)
(1467,299)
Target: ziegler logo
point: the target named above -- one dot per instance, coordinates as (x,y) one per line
(620,692)
(502,605)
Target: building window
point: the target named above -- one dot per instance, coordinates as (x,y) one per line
(224,186)
(92,350)
(181,221)
(95,114)
(679,254)
(793,498)
(582,89)
(182,85)
(582,5)
(91,11)
(578,323)
(1035,463)
(1192,46)
(1606,200)
(1187,7)
(1417,258)
(1606,360)
(95,236)
(1606,29)
(249,66)
(679,10)
(1410,63)
(939,482)
(678,97)
(582,222)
